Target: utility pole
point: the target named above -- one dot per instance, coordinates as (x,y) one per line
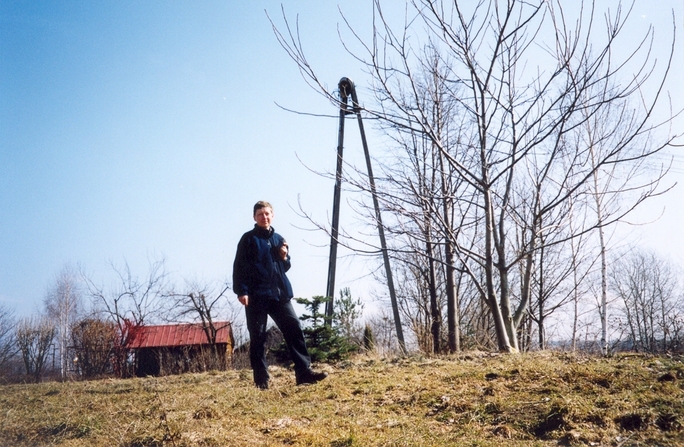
(347,89)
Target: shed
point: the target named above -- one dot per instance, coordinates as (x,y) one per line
(177,348)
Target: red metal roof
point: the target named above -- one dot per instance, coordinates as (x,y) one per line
(169,335)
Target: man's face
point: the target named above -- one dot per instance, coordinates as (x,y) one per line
(263,217)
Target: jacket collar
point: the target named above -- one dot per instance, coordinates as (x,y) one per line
(262,232)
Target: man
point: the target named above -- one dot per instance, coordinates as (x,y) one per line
(260,283)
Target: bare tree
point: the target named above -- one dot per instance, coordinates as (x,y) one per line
(8,345)
(63,303)
(34,338)
(202,303)
(648,287)
(382,327)
(131,298)
(524,81)
(582,263)
(130,304)
(415,293)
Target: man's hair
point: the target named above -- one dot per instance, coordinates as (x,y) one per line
(261,204)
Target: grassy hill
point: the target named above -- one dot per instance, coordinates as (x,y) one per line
(473,399)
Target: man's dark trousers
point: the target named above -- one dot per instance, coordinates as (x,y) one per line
(257,311)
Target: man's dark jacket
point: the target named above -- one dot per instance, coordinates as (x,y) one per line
(258,269)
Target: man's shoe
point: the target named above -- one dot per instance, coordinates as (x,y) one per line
(310,377)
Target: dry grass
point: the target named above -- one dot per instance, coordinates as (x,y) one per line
(474,399)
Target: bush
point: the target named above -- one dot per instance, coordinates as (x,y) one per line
(94,341)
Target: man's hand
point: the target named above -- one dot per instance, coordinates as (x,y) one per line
(283,251)
(244,299)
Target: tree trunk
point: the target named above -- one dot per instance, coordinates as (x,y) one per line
(435,313)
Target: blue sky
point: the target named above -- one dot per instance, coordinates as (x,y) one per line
(134,130)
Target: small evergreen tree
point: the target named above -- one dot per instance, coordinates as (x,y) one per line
(324,342)
(348,311)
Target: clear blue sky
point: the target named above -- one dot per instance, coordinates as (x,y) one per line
(139,129)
